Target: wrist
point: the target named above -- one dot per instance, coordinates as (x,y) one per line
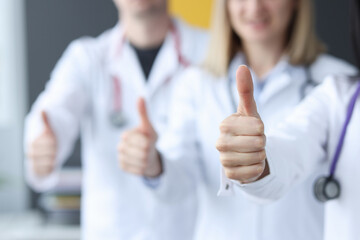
(156,166)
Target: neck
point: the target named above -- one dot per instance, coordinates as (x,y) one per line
(147,33)
(263,57)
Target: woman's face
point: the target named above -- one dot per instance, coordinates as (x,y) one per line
(260,21)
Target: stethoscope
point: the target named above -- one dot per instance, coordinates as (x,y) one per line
(117,116)
(327,187)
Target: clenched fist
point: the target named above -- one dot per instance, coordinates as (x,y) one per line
(242,141)
(42,151)
(136,150)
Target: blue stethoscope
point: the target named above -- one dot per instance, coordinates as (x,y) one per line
(328,188)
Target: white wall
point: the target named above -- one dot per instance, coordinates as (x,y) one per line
(13,193)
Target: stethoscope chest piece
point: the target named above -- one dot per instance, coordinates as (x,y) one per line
(118,119)
(326,188)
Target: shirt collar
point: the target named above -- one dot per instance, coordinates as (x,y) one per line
(240,59)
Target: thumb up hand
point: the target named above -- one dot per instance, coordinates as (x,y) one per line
(136,151)
(42,151)
(242,141)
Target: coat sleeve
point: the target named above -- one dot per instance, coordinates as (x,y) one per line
(296,147)
(178,146)
(64,99)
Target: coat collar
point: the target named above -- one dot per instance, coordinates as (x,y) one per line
(123,62)
(275,81)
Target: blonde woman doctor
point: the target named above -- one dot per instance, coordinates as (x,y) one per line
(93,92)
(324,128)
(277,40)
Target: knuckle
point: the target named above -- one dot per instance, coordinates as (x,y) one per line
(218,145)
(221,144)
(125,136)
(255,171)
(247,176)
(224,127)
(262,155)
(224,160)
(121,155)
(52,157)
(259,169)
(50,163)
(49,169)
(263,141)
(143,159)
(146,146)
(32,145)
(123,165)
(248,173)
(259,126)
(259,142)
(228,161)
(30,155)
(120,148)
(231,173)
(36,161)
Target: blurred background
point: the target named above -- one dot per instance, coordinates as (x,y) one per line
(34,34)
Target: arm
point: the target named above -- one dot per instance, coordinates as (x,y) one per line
(176,146)
(291,153)
(64,101)
(296,147)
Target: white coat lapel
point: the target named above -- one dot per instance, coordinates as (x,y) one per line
(165,66)
(131,66)
(279,78)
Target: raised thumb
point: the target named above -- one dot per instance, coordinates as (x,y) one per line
(245,87)
(145,124)
(46,123)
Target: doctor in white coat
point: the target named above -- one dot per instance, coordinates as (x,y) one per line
(93,92)
(276,39)
(324,129)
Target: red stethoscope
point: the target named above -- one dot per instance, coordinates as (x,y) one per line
(117,117)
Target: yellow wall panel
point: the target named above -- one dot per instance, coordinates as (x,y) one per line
(196,12)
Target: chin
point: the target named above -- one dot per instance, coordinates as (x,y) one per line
(141,5)
(257,38)
(145,8)
(262,34)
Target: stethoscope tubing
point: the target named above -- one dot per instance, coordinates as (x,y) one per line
(340,144)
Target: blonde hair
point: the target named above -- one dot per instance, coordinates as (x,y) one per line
(302,46)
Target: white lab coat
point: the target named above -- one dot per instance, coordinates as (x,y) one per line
(308,138)
(79,99)
(192,166)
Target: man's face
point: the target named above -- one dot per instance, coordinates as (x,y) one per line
(141,8)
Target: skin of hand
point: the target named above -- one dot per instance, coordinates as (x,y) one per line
(42,151)
(137,153)
(242,140)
